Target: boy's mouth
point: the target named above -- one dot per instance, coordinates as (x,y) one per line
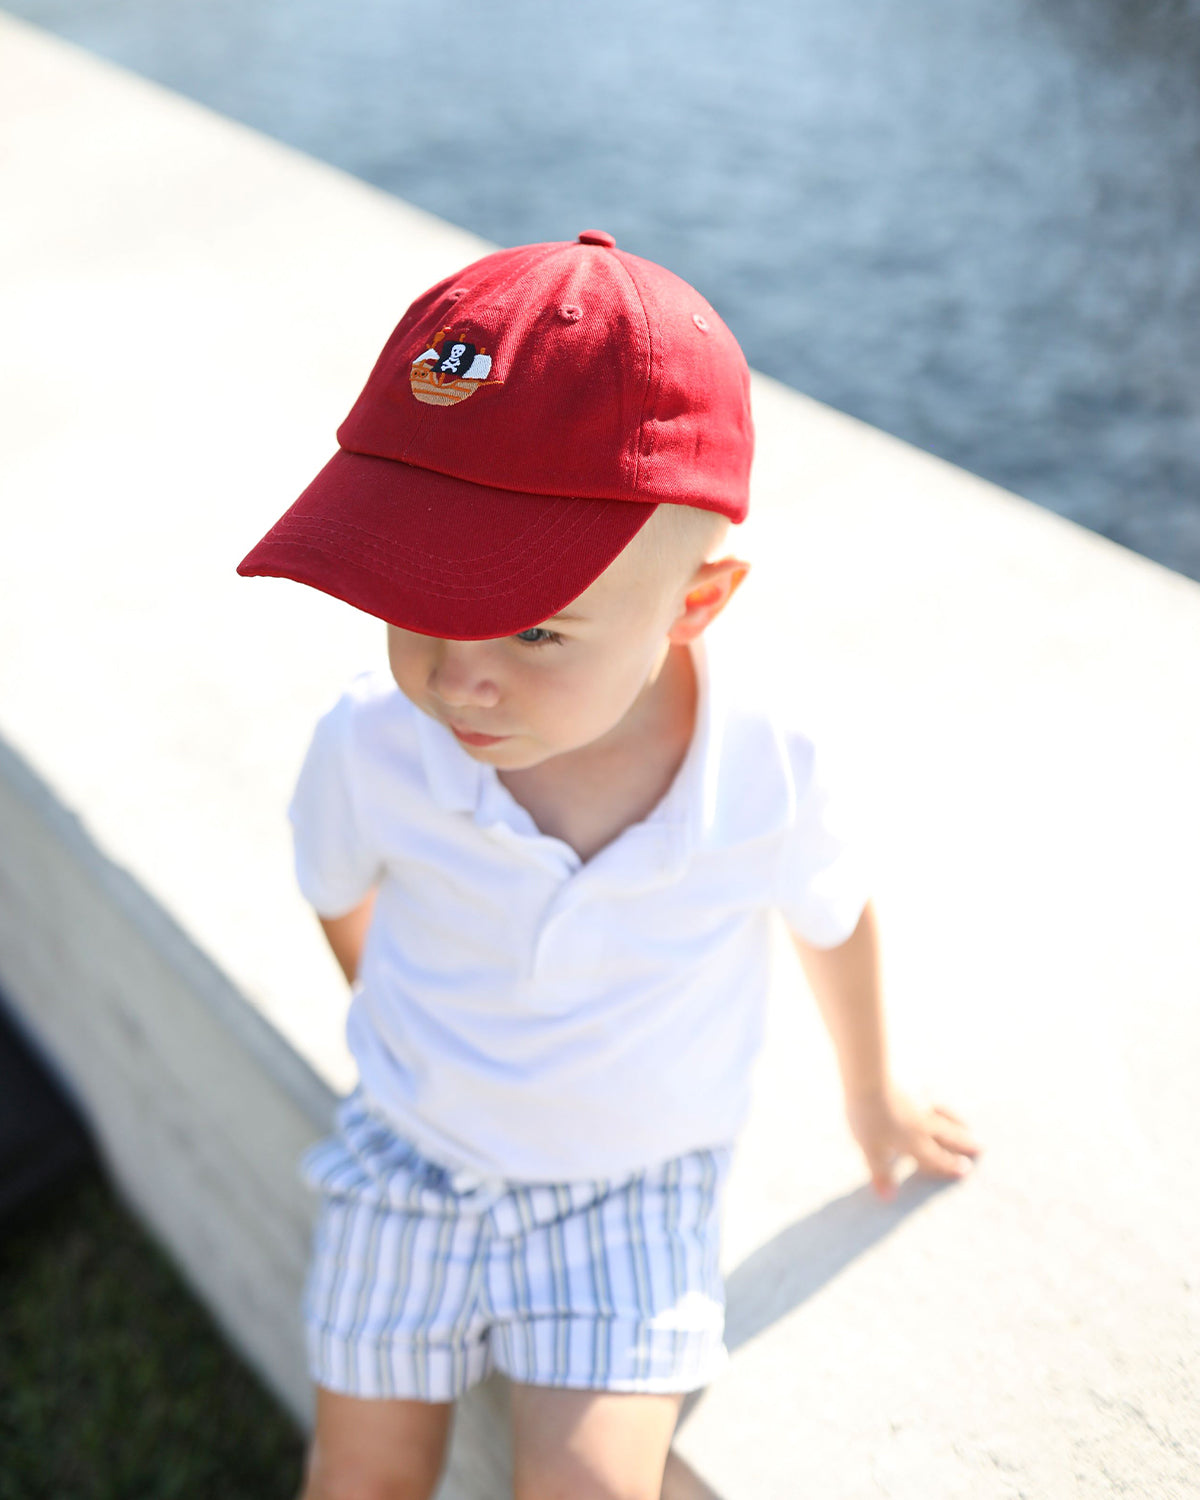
(476,739)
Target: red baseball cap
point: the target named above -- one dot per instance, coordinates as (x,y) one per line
(525,419)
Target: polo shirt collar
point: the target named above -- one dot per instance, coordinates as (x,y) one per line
(455,780)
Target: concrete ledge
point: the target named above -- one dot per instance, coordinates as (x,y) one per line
(195,1099)
(189,310)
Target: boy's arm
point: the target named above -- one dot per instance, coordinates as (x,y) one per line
(846,982)
(347,933)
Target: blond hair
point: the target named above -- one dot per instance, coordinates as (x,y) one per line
(677,539)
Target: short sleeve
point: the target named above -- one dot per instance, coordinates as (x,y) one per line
(822,878)
(335,864)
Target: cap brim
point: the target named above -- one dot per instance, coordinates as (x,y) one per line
(440,555)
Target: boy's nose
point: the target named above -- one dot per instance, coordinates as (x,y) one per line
(459,675)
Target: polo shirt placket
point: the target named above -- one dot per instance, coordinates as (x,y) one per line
(647,855)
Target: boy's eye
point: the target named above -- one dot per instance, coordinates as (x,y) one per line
(546,637)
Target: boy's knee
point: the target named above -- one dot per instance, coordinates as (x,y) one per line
(415,1478)
(319,1486)
(570,1483)
(364,1449)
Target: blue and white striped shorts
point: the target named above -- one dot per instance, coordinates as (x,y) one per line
(422,1281)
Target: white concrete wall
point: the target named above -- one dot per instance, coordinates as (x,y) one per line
(188,310)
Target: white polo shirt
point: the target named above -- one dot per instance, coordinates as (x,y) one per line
(520,1013)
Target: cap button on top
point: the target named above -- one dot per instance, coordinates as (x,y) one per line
(597,237)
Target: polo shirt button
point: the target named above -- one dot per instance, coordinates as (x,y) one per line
(597,237)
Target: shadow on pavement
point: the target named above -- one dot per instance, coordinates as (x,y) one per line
(787,1271)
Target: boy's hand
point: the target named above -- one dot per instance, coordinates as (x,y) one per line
(887,1125)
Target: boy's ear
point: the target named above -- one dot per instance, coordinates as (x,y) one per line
(709,592)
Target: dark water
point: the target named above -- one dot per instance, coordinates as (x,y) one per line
(972,224)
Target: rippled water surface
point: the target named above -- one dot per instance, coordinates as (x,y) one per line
(971,224)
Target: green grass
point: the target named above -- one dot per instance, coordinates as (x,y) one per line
(114,1382)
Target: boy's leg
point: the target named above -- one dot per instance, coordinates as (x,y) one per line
(371,1449)
(590,1445)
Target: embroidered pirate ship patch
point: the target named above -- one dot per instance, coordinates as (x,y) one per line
(450,371)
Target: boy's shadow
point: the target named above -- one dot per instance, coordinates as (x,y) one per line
(786,1271)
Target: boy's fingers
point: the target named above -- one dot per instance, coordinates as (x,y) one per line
(880,1165)
(938,1143)
(957,1140)
(933,1158)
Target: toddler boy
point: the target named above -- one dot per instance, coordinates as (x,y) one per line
(544,847)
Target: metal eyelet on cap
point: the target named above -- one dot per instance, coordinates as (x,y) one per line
(598,237)
(700,321)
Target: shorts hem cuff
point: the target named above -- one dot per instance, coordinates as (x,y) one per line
(387,1391)
(652,1385)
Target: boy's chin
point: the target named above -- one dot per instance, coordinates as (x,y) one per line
(506,755)
(517,755)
